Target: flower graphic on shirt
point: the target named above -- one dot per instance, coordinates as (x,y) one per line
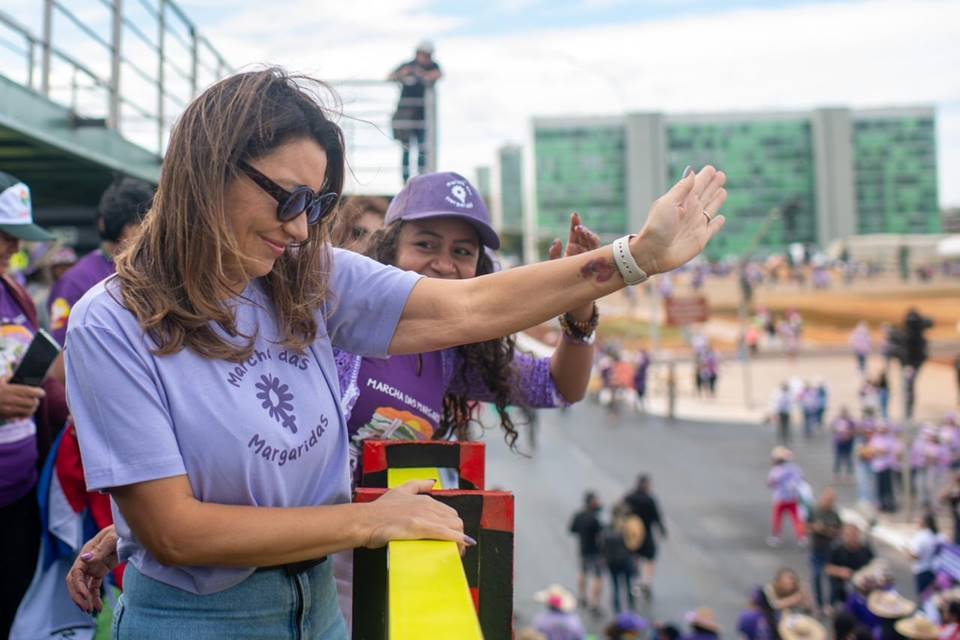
(277,399)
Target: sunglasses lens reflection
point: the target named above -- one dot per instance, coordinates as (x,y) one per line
(294,205)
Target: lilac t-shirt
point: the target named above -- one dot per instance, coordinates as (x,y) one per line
(18,436)
(784,480)
(89,270)
(266,432)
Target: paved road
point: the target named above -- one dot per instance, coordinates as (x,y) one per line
(710,481)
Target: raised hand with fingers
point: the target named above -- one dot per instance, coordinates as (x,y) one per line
(682,221)
(579,240)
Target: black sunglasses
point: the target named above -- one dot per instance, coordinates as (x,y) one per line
(291,204)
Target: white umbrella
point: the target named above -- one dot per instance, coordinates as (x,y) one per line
(949,247)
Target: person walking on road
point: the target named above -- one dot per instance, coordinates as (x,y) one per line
(844,430)
(885,449)
(781,405)
(785,481)
(645,506)
(824,524)
(866,478)
(620,542)
(586,525)
(862,344)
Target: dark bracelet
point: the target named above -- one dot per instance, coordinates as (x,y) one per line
(581,331)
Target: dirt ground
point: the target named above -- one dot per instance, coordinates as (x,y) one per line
(829,315)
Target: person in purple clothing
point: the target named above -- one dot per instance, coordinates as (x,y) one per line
(427,396)
(844,430)
(202,377)
(122,207)
(640,378)
(885,460)
(560,620)
(438,226)
(785,480)
(27,425)
(753,623)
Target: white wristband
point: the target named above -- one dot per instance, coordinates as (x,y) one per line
(626,265)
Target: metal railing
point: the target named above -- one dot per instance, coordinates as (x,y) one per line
(134,65)
(369,122)
(107,68)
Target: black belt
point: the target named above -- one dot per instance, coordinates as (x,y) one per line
(296,568)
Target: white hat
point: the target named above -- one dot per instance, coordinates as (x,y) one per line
(16,213)
(556,597)
(425,46)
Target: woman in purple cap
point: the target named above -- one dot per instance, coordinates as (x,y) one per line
(202,378)
(439,227)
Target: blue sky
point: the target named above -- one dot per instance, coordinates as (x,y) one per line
(493,17)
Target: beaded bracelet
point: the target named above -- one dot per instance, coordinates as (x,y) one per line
(580,331)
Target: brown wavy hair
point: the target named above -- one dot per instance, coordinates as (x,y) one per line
(175,272)
(351,209)
(492,360)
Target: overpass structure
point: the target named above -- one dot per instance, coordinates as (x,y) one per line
(88,91)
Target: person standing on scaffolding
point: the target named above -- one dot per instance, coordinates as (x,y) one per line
(410,119)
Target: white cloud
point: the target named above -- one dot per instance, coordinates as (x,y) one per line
(856,53)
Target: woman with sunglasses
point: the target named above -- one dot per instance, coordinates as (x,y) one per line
(202,378)
(430,395)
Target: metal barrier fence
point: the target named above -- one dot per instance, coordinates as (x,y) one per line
(368,122)
(131,65)
(134,65)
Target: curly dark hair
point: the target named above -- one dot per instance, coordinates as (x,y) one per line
(493,359)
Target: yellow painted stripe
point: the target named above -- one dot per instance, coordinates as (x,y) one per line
(397,477)
(428,591)
(429,597)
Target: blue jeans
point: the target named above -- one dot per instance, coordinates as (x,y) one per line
(621,576)
(269,605)
(818,565)
(419,136)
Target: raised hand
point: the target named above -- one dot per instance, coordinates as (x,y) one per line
(579,240)
(681,222)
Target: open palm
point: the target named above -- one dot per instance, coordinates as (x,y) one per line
(677,229)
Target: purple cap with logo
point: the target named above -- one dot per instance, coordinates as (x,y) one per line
(443,195)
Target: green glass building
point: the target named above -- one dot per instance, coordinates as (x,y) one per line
(809,177)
(580,167)
(896,172)
(510,181)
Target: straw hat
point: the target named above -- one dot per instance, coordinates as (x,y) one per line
(889,605)
(705,618)
(781,453)
(800,627)
(876,575)
(917,627)
(556,597)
